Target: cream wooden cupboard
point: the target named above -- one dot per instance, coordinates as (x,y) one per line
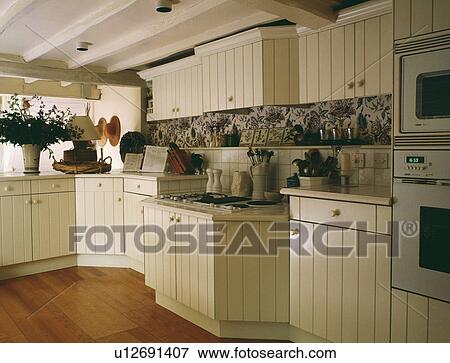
(340,273)
(35,218)
(224,287)
(418,17)
(253,68)
(176,89)
(100,203)
(347,60)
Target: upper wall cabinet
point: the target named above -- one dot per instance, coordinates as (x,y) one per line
(419,17)
(352,58)
(253,68)
(176,89)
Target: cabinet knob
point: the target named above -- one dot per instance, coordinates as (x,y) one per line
(295,232)
(351,85)
(142,210)
(178,220)
(178,109)
(173,109)
(361,82)
(335,212)
(35,201)
(54,186)
(119,199)
(7,189)
(230,98)
(27,202)
(172,218)
(99,185)
(139,186)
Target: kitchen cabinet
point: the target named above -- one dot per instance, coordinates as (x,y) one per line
(15,235)
(346,60)
(99,202)
(254,68)
(237,286)
(417,17)
(52,216)
(340,274)
(133,216)
(176,89)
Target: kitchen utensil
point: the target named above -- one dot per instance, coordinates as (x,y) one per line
(259,177)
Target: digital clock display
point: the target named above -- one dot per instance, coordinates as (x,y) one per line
(415,159)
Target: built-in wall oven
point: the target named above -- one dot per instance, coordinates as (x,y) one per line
(422,215)
(422,93)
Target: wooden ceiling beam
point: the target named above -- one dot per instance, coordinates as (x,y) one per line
(32,71)
(150,29)
(14,12)
(307,13)
(77,28)
(256,18)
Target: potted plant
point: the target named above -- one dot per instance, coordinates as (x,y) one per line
(35,133)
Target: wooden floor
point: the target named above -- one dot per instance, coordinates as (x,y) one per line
(84,304)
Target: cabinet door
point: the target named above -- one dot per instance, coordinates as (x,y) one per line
(350,288)
(248,75)
(133,216)
(239,77)
(441,18)
(52,215)
(15,231)
(421,17)
(402,20)
(222,81)
(206,84)
(359,59)
(188,93)
(334,284)
(214,81)
(307,278)
(303,70)
(386,54)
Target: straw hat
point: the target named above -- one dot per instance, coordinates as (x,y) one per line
(101,127)
(112,131)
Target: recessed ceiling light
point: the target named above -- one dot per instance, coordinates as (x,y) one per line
(83,46)
(163,6)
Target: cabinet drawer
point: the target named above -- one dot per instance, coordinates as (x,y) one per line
(14,188)
(343,214)
(138,186)
(99,184)
(52,186)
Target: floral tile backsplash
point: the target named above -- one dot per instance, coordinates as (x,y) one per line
(370,116)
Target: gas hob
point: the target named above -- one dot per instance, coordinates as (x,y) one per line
(207,200)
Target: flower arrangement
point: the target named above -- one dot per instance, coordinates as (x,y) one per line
(19,127)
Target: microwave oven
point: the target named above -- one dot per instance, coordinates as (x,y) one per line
(425,91)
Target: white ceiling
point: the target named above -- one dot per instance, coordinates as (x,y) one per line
(124,33)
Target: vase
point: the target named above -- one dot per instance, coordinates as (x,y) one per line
(31,156)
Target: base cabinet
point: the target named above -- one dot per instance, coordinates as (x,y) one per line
(52,216)
(204,266)
(133,216)
(15,230)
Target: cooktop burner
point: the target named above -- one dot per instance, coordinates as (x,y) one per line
(208,200)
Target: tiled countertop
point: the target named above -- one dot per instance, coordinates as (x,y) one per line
(370,194)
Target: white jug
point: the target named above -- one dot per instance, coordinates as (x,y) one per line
(259,176)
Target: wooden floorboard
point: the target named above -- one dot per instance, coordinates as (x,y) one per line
(89,304)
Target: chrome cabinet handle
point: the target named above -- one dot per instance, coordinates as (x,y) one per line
(335,212)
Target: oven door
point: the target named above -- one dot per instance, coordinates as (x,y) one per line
(426,92)
(421,243)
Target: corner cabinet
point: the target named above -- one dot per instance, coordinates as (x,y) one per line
(347,59)
(339,273)
(176,89)
(253,68)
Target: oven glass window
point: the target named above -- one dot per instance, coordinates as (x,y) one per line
(433,95)
(435,239)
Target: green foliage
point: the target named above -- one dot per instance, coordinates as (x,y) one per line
(19,127)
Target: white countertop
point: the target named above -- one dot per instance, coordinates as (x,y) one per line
(278,212)
(369,194)
(113,174)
